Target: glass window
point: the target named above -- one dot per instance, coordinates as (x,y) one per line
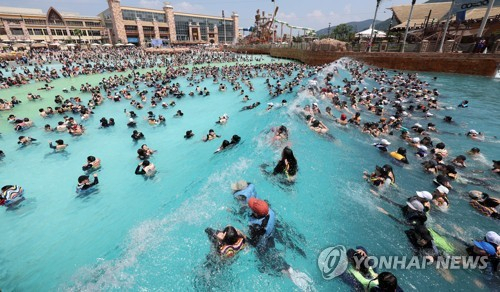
(17,31)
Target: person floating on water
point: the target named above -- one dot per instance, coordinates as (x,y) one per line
(287,165)
(228,242)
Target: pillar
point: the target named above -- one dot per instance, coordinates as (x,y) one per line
(448,46)
(49,33)
(7,29)
(424,46)
(156,29)
(138,22)
(25,30)
(216,34)
(236,22)
(117,19)
(169,11)
(496,47)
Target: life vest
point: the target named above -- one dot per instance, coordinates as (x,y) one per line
(364,281)
(266,222)
(248,192)
(230,250)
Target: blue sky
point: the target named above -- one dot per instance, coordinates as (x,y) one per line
(315,14)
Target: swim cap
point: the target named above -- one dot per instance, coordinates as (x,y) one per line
(487,247)
(343,117)
(259,207)
(385,142)
(443,190)
(493,237)
(425,195)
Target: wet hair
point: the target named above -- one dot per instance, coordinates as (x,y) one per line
(225,143)
(146,163)
(387,281)
(59,142)
(82,178)
(231,235)
(402,151)
(91,158)
(461,157)
(440,145)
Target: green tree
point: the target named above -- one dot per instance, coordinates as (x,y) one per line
(77,32)
(343,32)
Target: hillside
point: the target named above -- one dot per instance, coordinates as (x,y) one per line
(359,26)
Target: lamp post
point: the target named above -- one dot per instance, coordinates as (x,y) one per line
(373,26)
(329,29)
(408,26)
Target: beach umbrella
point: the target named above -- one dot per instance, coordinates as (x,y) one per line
(95,45)
(118,45)
(55,44)
(107,45)
(70,45)
(130,45)
(39,45)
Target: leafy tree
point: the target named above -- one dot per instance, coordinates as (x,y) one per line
(343,32)
(77,32)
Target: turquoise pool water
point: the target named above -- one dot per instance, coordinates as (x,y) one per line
(136,234)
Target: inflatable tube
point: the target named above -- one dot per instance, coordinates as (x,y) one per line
(441,242)
(482,209)
(13,195)
(397,156)
(362,280)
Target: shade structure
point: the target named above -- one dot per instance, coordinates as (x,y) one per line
(368,33)
(118,45)
(130,45)
(39,45)
(95,45)
(70,45)
(54,44)
(107,45)
(2,45)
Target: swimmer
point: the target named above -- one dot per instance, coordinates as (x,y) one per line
(226,144)
(145,168)
(131,123)
(222,119)
(459,161)
(280,134)
(178,114)
(269,106)
(382,145)
(342,120)
(59,146)
(84,182)
(475,135)
(484,203)
(189,134)
(440,197)
(316,125)
(211,135)
(474,151)
(24,141)
(228,242)
(92,164)
(496,166)
(287,165)
(136,135)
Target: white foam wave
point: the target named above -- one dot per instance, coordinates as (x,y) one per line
(112,274)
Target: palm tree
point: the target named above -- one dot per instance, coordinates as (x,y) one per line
(78,33)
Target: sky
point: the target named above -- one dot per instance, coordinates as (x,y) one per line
(315,14)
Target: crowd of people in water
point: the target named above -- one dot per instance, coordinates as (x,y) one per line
(385,113)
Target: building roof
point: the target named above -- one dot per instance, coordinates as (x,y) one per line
(16,10)
(438,11)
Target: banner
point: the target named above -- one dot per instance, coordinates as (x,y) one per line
(463,5)
(461,16)
(156,42)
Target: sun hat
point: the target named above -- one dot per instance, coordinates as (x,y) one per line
(259,207)
(443,190)
(425,195)
(415,205)
(474,132)
(239,185)
(487,247)
(418,125)
(423,148)
(493,237)
(416,140)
